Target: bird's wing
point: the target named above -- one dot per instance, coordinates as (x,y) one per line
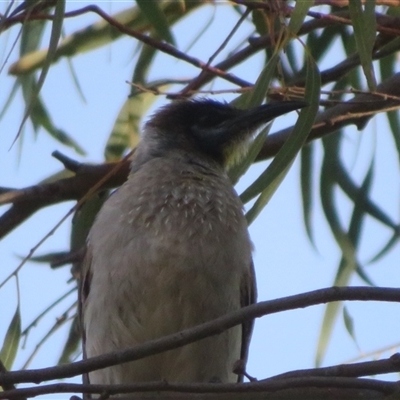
(248,296)
(83,292)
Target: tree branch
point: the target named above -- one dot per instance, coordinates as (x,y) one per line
(367,368)
(27,201)
(266,386)
(357,111)
(261,43)
(162,46)
(202,331)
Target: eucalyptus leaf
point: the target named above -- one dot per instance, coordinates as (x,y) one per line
(270,179)
(364,25)
(9,349)
(153,12)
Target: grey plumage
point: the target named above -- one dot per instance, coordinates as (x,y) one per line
(170,249)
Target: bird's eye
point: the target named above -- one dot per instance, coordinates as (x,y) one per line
(206,120)
(209,121)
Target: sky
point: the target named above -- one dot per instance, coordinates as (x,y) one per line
(286,263)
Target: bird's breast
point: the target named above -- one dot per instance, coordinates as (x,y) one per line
(187,205)
(166,218)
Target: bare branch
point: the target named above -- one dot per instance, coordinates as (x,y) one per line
(266,388)
(31,199)
(367,368)
(202,331)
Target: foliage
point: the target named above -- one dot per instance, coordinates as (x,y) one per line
(298,43)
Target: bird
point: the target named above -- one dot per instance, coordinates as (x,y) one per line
(170,249)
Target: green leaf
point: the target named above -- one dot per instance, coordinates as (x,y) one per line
(143,65)
(353,77)
(349,324)
(260,21)
(126,131)
(75,79)
(9,349)
(40,117)
(319,44)
(364,276)
(100,34)
(348,264)
(240,168)
(31,36)
(72,345)
(293,60)
(48,257)
(327,190)
(306,170)
(348,186)
(387,66)
(298,15)
(63,174)
(10,98)
(271,178)
(152,11)
(83,220)
(364,25)
(55,34)
(394,239)
(256,96)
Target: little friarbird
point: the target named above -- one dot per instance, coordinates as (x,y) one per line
(170,249)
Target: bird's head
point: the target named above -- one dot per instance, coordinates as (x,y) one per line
(210,129)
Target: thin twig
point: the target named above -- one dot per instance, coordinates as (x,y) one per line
(150,41)
(87,196)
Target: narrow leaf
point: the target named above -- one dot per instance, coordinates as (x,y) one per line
(156,17)
(54,38)
(394,239)
(126,131)
(72,345)
(240,169)
(100,33)
(364,276)
(257,95)
(143,65)
(306,170)
(10,98)
(48,257)
(31,36)
(364,25)
(270,179)
(319,44)
(260,21)
(9,349)
(327,190)
(387,66)
(298,15)
(83,220)
(347,267)
(349,187)
(41,118)
(349,325)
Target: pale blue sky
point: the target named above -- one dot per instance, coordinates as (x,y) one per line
(285,261)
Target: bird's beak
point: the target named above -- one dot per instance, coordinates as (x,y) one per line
(254,117)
